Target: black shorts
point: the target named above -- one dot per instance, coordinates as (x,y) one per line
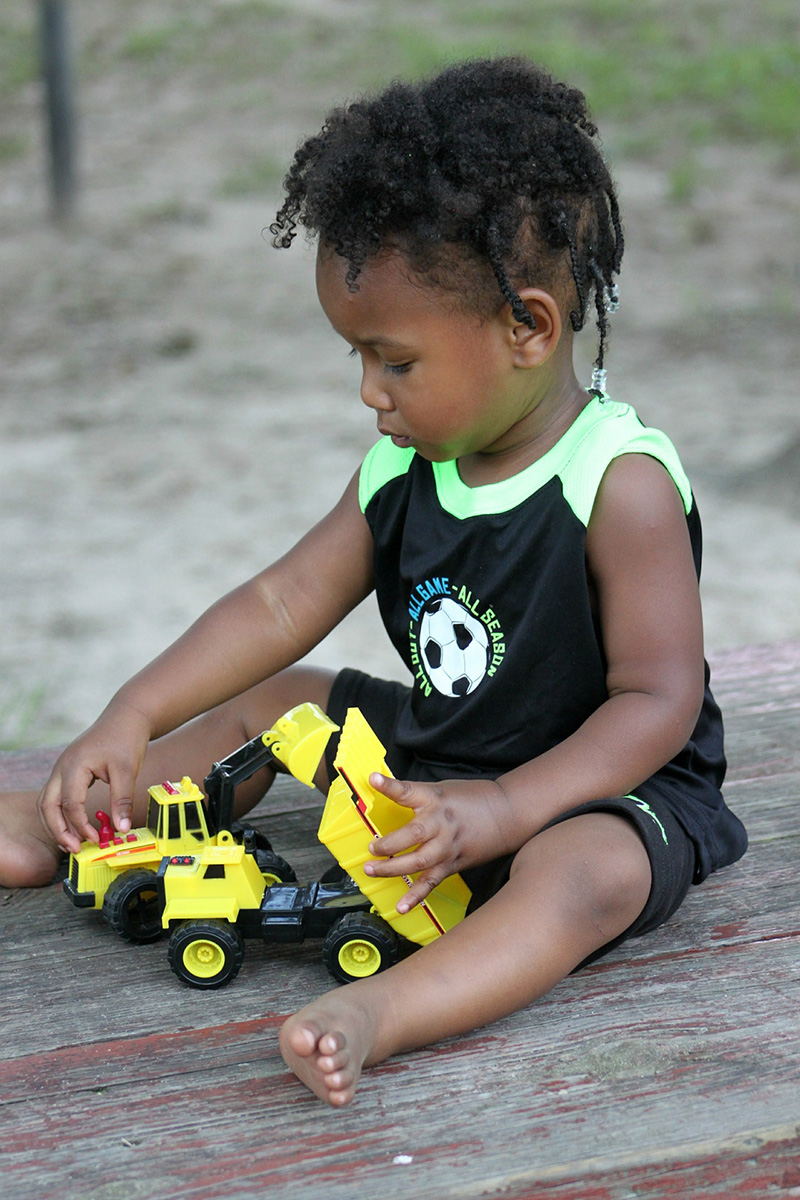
(670,850)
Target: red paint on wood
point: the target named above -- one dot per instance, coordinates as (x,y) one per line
(755,1168)
(734,929)
(20,1076)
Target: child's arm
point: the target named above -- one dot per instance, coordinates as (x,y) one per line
(252,633)
(641,568)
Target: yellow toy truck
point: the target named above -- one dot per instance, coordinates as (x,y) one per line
(210,882)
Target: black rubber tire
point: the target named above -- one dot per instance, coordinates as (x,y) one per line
(206,954)
(274,868)
(132,907)
(360,945)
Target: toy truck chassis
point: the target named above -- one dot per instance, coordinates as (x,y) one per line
(357,942)
(211,883)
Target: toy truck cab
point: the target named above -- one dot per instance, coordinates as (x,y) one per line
(176,816)
(118,874)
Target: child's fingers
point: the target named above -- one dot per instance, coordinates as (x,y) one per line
(74,792)
(402,791)
(398,864)
(432,861)
(62,806)
(54,821)
(401,841)
(121,785)
(425,846)
(405,866)
(420,890)
(423,826)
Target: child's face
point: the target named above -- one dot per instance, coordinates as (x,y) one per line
(440,380)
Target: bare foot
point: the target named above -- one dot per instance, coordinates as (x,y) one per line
(328,1042)
(28,856)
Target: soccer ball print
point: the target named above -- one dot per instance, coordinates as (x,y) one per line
(455,647)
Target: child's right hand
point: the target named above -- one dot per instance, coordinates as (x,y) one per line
(111,750)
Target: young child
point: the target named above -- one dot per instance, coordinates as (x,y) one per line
(565,753)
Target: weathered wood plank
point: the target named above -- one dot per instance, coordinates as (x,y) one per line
(217,1101)
(756,1164)
(668,1070)
(758,898)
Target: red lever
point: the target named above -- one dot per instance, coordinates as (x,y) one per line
(106,831)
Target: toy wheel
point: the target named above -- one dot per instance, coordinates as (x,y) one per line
(206,954)
(359,945)
(131,906)
(274,868)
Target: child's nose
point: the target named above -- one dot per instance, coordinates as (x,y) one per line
(372,393)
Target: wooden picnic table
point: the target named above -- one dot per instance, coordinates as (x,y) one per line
(669,1069)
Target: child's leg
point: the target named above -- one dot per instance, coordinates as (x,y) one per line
(28,855)
(573,888)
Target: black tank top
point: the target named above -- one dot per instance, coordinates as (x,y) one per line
(483,592)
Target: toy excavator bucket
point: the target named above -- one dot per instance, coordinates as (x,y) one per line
(298,740)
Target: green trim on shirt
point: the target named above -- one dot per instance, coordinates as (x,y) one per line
(602,431)
(383,462)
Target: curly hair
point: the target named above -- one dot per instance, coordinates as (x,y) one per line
(484,176)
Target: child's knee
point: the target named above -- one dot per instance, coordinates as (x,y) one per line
(599,865)
(617,877)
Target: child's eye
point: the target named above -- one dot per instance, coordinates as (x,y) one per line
(390,368)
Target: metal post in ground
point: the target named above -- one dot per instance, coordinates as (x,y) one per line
(58,74)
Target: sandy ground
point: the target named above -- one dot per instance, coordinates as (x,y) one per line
(175,412)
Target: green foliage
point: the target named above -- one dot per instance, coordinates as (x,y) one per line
(18,60)
(683,180)
(697,70)
(17,716)
(155,42)
(658,73)
(12,146)
(254,178)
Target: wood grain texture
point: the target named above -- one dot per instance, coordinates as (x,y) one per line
(668,1070)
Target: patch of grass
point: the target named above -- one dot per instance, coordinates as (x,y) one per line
(171,211)
(683,177)
(689,71)
(17,716)
(256,178)
(19,62)
(150,44)
(782,302)
(234,42)
(12,146)
(658,73)
(668,72)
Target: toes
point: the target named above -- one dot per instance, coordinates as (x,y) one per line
(339,1081)
(329,1063)
(301,1037)
(321,1055)
(331,1044)
(308,1037)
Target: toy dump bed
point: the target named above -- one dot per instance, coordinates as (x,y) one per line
(355,813)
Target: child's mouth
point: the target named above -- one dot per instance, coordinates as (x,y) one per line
(400,439)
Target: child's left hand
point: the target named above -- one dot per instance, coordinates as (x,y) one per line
(453,825)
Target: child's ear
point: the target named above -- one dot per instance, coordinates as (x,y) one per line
(532,347)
